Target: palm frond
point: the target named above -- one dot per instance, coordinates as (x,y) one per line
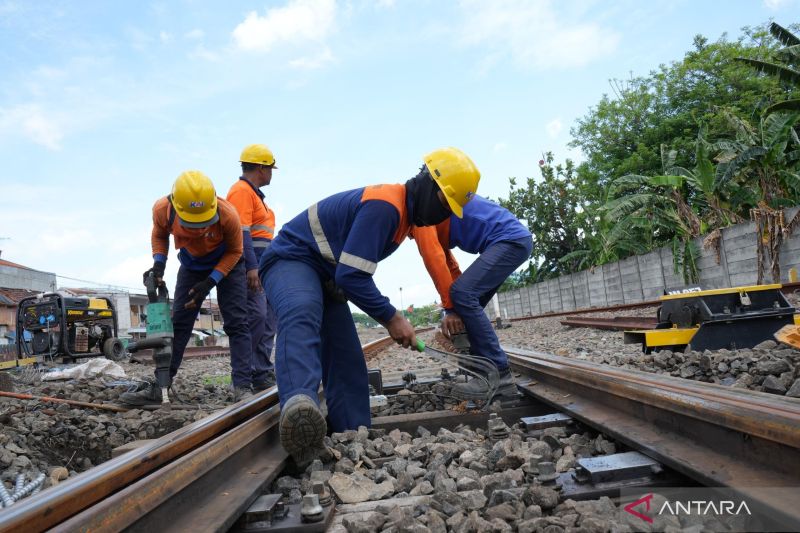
(666,181)
(741,159)
(619,207)
(776,127)
(667,158)
(790,52)
(786,105)
(627,182)
(786,37)
(786,74)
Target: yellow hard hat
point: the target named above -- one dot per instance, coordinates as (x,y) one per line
(258,154)
(194,199)
(456,175)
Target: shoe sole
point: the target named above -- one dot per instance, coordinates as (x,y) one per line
(503,390)
(302,428)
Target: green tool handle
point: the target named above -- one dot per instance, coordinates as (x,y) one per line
(420,346)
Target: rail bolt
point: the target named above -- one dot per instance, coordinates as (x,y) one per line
(322,493)
(311,511)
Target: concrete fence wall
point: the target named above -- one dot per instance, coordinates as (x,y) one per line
(645,277)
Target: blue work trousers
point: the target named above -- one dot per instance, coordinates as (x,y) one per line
(261,320)
(232,298)
(316,342)
(475,288)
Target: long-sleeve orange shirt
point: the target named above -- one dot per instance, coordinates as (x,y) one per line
(258,220)
(434,247)
(217,247)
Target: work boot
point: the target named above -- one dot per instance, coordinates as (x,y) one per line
(242,393)
(302,428)
(147,393)
(477,389)
(267,383)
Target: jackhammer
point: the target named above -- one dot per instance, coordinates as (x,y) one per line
(159,333)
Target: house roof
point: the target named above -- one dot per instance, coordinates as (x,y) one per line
(3,262)
(12,297)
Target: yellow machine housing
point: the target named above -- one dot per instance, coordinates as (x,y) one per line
(736,317)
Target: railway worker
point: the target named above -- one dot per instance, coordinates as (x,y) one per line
(208,235)
(327,255)
(258,227)
(503,243)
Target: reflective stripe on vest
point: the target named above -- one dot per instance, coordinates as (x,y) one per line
(245,228)
(358,262)
(319,235)
(325,248)
(257,227)
(261,244)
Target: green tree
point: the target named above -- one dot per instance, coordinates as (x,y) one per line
(787,72)
(364,320)
(623,133)
(555,211)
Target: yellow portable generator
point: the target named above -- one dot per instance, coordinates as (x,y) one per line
(51,325)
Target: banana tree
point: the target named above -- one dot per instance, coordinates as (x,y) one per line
(787,72)
(765,161)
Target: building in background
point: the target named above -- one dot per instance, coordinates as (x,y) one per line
(16,276)
(9,299)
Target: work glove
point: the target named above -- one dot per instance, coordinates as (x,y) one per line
(334,292)
(157,270)
(199,292)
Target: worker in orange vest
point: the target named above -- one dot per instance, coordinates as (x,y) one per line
(504,243)
(208,237)
(326,256)
(258,228)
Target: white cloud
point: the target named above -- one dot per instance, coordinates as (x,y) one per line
(386,3)
(554,127)
(324,58)
(499,147)
(535,34)
(776,5)
(298,21)
(36,124)
(201,52)
(196,33)
(165,37)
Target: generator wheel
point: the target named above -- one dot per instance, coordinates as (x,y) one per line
(113,348)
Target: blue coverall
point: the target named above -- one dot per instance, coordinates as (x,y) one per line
(338,240)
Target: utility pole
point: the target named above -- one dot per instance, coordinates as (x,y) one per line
(402,308)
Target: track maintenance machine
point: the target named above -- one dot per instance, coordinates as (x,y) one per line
(51,325)
(732,318)
(159,333)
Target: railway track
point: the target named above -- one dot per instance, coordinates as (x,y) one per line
(204,476)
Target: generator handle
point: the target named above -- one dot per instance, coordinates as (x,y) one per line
(156,292)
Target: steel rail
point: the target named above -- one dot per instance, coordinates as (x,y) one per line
(133,490)
(617,323)
(55,505)
(718,436)
(205,490)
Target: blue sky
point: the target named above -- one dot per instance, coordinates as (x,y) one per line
(103,104)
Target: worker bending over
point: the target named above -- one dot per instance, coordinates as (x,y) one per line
(327,255)
(503,244)
(258,227)
(208,236)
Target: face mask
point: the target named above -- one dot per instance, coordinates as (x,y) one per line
(427,208)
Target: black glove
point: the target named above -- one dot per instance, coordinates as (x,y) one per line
(199,292)
(334,292)
(157,270)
